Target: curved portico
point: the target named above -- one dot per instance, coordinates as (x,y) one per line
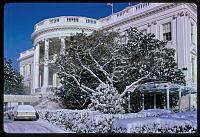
(48,40)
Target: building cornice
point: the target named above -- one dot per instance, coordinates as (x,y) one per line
(66,27)
(193,6)
(23,58)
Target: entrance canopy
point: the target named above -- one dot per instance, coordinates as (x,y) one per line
(161,86)
(165,88)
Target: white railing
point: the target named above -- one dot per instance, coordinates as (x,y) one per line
(127,12)
(66,20)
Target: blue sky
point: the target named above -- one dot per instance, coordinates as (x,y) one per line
(20,18)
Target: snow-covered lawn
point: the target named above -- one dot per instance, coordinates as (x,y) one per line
(146,121)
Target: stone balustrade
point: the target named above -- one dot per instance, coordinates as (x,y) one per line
(66,21)
(129,11)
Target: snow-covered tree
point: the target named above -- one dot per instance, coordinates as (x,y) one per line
(107,100)
(12,79)
(120,61)
(70,97)
(149,56)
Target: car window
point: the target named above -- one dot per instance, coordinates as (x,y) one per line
(25,107)
(15,108)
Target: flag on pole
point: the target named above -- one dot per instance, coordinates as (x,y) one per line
(110,4)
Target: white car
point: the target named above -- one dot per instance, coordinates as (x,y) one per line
(23,112)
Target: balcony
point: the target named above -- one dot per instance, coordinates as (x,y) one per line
(65,21)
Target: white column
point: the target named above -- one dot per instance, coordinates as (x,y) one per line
(149,28)
(190,101)
(33,74)
(40,79)
(161,32)
(167,92)
(143,101)
(179,94)
(154,99)
(46,66)
(54,79)
(195,34)
(154,29)
(181,40)
(62,44)
(129,103)
(36,67)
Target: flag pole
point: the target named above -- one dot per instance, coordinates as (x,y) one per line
(112,8)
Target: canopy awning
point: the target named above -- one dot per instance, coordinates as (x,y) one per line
(164,88)
(161,86)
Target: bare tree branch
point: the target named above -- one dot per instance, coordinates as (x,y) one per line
(131,85)
(89,70)
(82,87)
(101,68)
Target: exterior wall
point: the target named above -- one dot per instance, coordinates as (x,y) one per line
(26,68)
(151,18)
(148,16)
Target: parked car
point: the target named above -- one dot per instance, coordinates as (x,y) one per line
(23,112)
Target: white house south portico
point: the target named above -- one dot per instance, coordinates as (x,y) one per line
(49,40)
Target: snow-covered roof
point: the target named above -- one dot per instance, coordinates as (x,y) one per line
(161,86)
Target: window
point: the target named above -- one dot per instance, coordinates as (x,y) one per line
(167,31)
(24,70)
(30,67)
(27,70)
(192,34)
(193,69)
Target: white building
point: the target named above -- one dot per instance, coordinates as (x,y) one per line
(175,22)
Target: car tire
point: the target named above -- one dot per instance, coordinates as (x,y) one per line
(13,118)
(35,119)
(8,116)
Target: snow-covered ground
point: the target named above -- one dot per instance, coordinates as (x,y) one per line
(146,121)
(39,126)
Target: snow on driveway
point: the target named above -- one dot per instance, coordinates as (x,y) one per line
(39,126)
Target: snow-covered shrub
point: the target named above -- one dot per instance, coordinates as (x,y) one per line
(102,123)
(146,121)
(107,100)
(153,125)
(154,112)
(78,121)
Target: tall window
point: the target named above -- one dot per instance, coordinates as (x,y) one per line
(192,33)
(24,71)
(30,69)
(193,69)
(167,35)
